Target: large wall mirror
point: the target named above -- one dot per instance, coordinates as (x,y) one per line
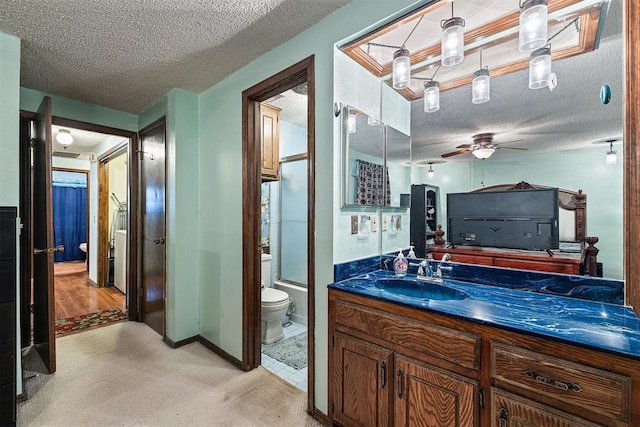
(558,137)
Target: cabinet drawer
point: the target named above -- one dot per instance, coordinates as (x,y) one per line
(461,348)
(471,259)
(564,381)
(551,267)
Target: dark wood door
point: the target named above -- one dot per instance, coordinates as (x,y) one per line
(152,209)
(26,232)
(43,293)
(363,379)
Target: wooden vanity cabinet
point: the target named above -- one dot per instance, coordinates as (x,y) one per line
(395,365)
(270,142)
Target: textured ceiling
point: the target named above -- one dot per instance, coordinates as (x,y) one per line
(127,54)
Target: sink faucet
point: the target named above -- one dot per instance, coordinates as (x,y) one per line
(421,267)
(446,257)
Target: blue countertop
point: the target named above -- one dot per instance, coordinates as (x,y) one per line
(598,325)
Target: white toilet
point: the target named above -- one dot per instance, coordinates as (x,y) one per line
(274,305)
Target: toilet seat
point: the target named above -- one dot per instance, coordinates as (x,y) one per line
(271,296)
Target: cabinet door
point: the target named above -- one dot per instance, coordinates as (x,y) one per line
(509,410)
(362,382)
(427,396)
(270,139)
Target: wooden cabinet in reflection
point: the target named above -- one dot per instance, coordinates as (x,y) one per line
(270,142)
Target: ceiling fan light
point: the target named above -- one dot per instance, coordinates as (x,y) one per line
(481,86)
(540,68)
(401,69)
(351,121)
(533,25)
(452,41)
(64,137)
(431,96)
(483,152)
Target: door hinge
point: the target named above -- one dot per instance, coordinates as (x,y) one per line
(333,340)
(481,398)
(30,308)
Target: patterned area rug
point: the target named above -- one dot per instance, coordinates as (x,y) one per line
(291,351)
(83,321)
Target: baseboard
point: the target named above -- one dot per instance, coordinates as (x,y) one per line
(20,398)
(321,417)
(220,352)
(91,282)
(168,341)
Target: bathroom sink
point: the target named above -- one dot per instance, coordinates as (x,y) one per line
(418,289)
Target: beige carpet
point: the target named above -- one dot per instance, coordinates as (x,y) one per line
(123,374)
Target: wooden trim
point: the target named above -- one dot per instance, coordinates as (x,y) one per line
(177,344)
(297,74)
(321,417)
(133,308)
(103,224)
(220,352)
(632,154)
(20,398)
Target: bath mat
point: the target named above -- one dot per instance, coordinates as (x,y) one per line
(291,351)
(83,321)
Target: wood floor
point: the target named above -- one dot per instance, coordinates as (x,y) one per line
(76,295)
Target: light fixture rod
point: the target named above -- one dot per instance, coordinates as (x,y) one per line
(383,45)
(573,21)
(414,28)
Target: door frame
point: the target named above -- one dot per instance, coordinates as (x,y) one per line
(295,75)
(133,309)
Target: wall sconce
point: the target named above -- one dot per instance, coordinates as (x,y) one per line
(533,25)
(612,157)
(372,122)
(64,137)
(401,68)
(540,68)
(431,96)
(430,172)
(452,49)
(481,85)
(351,121)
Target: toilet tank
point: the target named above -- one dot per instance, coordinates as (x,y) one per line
(265,271)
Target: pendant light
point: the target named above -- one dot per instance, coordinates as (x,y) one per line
(430,172)
(64,137)
(401,68)
(481,85)
(351,121)
(540,68)
(431,96)
(533,25)
(452,40)
(611,155)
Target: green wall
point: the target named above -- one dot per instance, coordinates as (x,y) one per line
(221,262)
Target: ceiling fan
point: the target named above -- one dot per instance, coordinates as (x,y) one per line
(482,147)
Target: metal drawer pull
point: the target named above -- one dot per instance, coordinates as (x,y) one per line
(504,417)
(383,374)
(59,248)
(553,383)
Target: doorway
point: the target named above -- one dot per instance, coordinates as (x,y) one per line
(295,76)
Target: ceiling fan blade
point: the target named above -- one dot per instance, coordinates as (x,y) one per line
(508,142)
(467,146)
(455,153)
(513,148)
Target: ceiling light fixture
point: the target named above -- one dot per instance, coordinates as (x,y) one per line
(483,152)
(481,85)
(430,172)
(540,68)
(612,157)
(401,68)
(533,25)
(452,49)
(431,94)
(351,121)
(64,137)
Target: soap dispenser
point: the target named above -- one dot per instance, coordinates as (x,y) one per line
(400,265)
(411,253)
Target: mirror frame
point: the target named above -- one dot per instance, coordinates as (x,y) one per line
(631,182)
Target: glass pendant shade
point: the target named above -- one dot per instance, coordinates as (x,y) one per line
(540,68)
(401,69)
(612,157)
(452,41)
(431,96)
(480,86)
(533,25)
(351,122)
(430,172)
(483,153)
(64,137)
